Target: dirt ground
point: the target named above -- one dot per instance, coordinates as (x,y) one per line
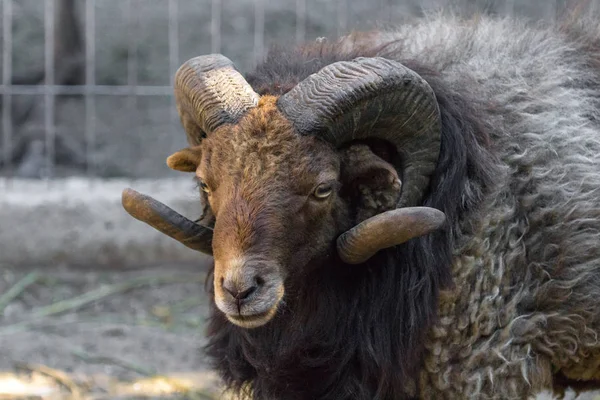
(83,334)
(106,334)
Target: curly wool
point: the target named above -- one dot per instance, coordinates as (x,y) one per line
(525,302)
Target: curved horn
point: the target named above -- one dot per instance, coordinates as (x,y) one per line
(376,98)
(372,97)
(385,230)
(167,221)
(210,92)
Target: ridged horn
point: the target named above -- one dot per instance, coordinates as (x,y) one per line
(372,98)
(210,92)
(167,221)
(385,230)
(376,98)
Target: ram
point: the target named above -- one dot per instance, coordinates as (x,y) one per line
(399,214)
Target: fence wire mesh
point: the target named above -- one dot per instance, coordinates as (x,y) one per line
(86,85)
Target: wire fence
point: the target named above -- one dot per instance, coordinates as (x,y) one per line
(119,121)
(90,90)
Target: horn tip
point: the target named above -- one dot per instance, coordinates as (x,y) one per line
(431,216)
(129,198)
(128,193)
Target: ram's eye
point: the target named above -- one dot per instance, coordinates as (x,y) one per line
(323,191)
(203,186)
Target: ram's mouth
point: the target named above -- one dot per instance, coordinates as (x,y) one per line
(252,321)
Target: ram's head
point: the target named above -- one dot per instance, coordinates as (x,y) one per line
(332,170)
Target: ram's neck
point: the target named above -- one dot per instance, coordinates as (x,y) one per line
(338,330)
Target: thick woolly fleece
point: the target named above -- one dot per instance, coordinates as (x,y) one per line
(527,282)
(526,266)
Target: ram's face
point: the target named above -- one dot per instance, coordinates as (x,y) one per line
(292,181)
(279,201)
(273,196)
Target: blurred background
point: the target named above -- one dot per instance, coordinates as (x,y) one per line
(86,84)
(94,304)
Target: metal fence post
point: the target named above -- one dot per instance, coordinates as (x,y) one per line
(259,30)
(49,97)
(90,81)
(6,82)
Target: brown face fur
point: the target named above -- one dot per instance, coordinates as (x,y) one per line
(279,200)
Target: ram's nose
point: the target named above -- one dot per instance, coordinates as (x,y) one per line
(248,290)
(242,289)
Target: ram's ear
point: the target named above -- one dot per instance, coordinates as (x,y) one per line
(186,160)
(370,183)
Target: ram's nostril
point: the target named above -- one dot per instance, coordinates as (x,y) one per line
(246,293)
(240,292)
(258,281)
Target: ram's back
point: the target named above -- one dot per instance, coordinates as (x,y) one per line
(534,269)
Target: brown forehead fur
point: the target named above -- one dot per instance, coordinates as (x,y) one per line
(263,147)
(255,169)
